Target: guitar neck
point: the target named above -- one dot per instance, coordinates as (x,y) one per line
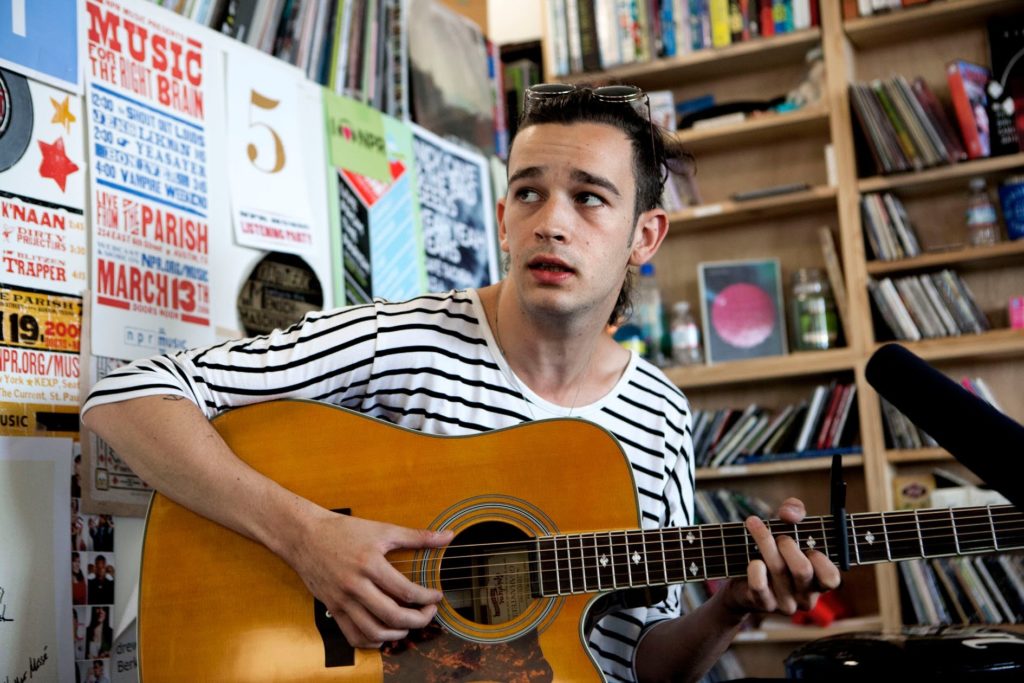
(612,560)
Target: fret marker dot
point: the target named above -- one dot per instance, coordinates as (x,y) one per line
(604,560)
(690,538)
(693,568)
(869,537)
(636,557)
(811,543)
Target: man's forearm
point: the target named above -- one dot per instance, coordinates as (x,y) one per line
(684,649)
(170,444)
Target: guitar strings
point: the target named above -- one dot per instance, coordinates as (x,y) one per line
(573,555)
(618,539)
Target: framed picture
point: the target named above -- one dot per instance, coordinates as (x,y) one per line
(741,309)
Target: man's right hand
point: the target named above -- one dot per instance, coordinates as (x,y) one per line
(342,561)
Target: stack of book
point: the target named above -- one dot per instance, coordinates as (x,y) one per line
(887,227)
(964,590)
(590,35)
(928,305)
(720,506)
(904,125)
(900,432)
(823,424)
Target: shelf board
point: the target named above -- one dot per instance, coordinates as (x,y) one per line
(985,256)
(1002,343)
(750,55)
(911,455)
(769,468)
(730,212)
(778,630)
(796,364)
(805,122)
(942,177)
(921,22)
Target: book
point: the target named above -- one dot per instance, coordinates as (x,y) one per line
(835,275)
(815,413)
(967,83)
(942,124)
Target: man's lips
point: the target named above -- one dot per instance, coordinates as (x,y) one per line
(550,265)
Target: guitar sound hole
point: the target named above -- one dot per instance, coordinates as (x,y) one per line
(487,573)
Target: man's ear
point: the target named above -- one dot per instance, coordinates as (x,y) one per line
(651,229)
(499,210)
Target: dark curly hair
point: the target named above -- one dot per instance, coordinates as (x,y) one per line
(653,161)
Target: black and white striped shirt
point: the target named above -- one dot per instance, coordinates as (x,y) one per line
(432,364)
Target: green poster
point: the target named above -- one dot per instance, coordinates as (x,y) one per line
(355,136)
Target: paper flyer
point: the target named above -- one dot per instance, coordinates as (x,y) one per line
(147,85)
(380,241)
(39,38)
(355,137)
(39,342)
(270,203)
(457,213)
(42,187)
(35,594)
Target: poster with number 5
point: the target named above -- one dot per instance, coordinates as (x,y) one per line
(270,204)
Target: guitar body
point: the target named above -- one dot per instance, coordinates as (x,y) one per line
(215,606)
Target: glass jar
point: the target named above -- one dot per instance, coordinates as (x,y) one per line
(686,346)
(813,318)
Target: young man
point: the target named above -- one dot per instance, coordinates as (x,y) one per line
(586,173)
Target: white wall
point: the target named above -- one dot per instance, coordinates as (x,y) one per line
(514,21)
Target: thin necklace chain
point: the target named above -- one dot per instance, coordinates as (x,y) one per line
(512,375)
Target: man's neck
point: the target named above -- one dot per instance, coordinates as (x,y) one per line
(569,362)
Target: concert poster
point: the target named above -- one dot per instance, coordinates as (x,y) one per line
(741,309)
(457,213)
(378,245)
(153,92)
(270,204)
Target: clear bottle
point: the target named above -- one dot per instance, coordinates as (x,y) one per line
(649,315)
(982,221)
(812,311)
(686,346)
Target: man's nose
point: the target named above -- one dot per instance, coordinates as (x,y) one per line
(555,220)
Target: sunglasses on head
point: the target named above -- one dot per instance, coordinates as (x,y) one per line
(616,94)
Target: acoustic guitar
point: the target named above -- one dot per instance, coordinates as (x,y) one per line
(546,521)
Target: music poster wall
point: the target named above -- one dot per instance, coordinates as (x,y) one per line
(42,256)
(457,213)
(150,90)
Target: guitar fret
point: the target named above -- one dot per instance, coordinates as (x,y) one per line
(583,564)
(549,566)
(659,560)
(885,532)
(853,535)
(936,539)
(647,573)
(714,561)
(734,545)
(992,525)
(597,563)
(920,538)
(824,535)
(956,537)
(693,570)
(620,561)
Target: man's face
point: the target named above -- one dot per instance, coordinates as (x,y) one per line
(567,220)
(101,567)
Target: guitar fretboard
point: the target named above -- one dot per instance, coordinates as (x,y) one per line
(612,560)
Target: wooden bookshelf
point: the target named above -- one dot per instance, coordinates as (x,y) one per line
(763,53)
(936,17)
(968,257)
(943,178)
(916,455)
(798,364)
(765,469)
(995,344)
(810,121)
(777,630)
(731,212)
(769,151)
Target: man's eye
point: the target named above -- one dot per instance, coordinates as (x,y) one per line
(527,196)
(589,199)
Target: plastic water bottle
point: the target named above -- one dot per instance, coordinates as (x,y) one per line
(982,222)
(649,314)
(686,347)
